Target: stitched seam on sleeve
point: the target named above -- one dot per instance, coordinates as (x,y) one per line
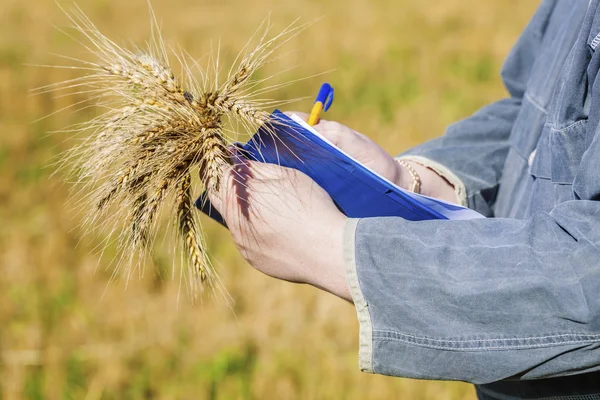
(516,343)
(459,187)
(365,349)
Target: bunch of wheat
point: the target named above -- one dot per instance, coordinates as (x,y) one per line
(139,155)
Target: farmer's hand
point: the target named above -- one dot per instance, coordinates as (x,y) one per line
(284,224)
(370,154)
(361,148)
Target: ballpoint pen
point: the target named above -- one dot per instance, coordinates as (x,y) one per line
(322,103)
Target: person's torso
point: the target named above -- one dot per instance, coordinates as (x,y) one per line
(549,136)
(548,141)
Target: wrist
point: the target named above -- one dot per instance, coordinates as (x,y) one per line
(327,270)
(415,184)
(432,183)
(408,176)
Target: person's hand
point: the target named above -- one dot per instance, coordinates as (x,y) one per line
(370,154)
(362,149)
(284,224)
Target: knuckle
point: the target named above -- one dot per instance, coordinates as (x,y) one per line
(329,129)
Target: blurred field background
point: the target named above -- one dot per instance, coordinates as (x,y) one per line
(405,69)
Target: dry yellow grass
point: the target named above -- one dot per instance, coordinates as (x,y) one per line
(405,69)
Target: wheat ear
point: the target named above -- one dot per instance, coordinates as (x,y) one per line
(155,132)
(190,234)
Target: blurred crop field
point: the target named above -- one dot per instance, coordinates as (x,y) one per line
(403,70)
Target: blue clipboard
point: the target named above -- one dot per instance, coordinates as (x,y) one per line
(357,191)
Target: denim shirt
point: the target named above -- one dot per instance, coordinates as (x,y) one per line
(504,301)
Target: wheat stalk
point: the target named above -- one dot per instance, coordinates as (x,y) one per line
(141,152)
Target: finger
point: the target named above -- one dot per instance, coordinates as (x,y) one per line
(257,171)
(208,208)
(335,132)
(242,190)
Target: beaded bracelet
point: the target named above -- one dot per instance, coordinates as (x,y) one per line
(415,186)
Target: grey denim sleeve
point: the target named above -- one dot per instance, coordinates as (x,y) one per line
(491,299)
(478,300)
(475,149)
(482,300)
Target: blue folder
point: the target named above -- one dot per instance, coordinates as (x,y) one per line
(356,190)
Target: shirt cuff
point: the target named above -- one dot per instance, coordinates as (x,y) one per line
(444,172)
(365,350)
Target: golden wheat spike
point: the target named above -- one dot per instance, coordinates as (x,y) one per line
(215,158)
(139,232)
(156,130)
(145,209)
(188,229)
